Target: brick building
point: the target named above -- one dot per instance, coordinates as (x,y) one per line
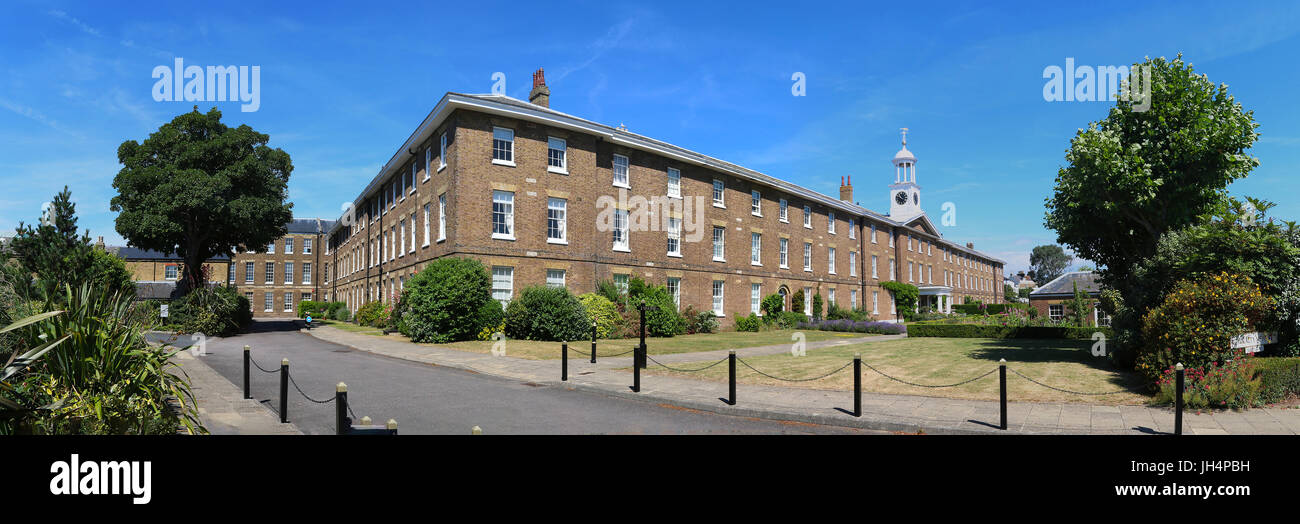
(290,270)
(1051,299)
(274,279)
(543,197)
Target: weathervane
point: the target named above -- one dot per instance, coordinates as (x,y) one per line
(904,129)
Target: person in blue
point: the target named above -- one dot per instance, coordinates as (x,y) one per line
(308,320)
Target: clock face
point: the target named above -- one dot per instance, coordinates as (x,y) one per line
(901,198)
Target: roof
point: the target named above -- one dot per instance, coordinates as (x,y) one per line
(154,290)
(135,253)
(1088,281)
(515,108)
(310,225)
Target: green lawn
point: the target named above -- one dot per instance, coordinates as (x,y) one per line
(1064,364)
(657,346)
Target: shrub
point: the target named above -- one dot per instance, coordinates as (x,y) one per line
(905,296)
(844,325)
(797,301)
(103,378)
(341,314)
(217,311)
(546,313)
(311,307)
(947,330)
(1230,385)
(444,300)
(664,321)
(601,311)
(1279,378)
(611,292)
(748,323)
(371,314)
(699,321)
(817,305)
(771,306)
(789,319)
(1197,320)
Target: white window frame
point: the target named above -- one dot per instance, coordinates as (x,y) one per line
(504,274)
(626,172)
(1055,312)
(428,163)
(401,248)
(288,246)
(426,224)
(674,285)
(442,217)
(853,263)
(269,277)
(807,217)
(853,228)
(442,154)
(412,248)
(306,246)
(249,268)
(807,256)
(755,249)
(719,244)
(620,231)
(507,151)
(784,211)
(755,297)
(873,234)
(507,200)
(719,193)
(288,272)
(306,272)
(756,203)
(551,143)
(552,281)
(875,266)
(719,294)
(268,302)
(830,260)
(830,222)
(785,253)
(674,237)
(674,183)
(559,207)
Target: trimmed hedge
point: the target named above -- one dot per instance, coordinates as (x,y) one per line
(926,329)
(1279,378)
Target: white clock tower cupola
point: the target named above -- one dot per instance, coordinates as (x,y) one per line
(904,194)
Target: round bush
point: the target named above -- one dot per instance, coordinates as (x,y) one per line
(443,301)
(603,312)
(491,320)
(546,313)
(664,321)
(1197,320)
(218,311)
(372,314)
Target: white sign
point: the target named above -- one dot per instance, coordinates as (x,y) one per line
(162,311)
(1253,342)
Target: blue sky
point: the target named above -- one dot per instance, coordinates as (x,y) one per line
(341,87)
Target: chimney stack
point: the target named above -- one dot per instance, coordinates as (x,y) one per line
(540,95)
(970,245)
(99,244)
(846,189)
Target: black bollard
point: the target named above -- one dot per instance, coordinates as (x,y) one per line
(284,391)
(564,361)
(341,421)
(1002,386)
(593,342)
(636,372)
(731,377)
(857,385)
(247,394)
(641,361)
(1178,399)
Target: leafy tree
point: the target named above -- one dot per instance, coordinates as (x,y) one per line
(200,189)
(797,301)
(905,297)
(817,304)
(1134,175)
(1009,292)
(443,301)
(1047,262)
(771,306)
(1077,307)
(58,256)
(1024,292)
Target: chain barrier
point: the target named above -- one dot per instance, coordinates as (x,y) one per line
(1060,389)
(681,370)
(896,379)
(260,368)
(304,395)
(742,361)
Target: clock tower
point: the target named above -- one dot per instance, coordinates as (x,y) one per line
(904,194)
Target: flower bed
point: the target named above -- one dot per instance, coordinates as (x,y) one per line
(849,326)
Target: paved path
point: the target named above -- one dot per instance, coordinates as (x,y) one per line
(223,410)
(880,411)
(582,350)
(427,399)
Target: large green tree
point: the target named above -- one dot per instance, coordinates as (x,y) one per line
(1136,174)
(200,189)
(1047,262)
